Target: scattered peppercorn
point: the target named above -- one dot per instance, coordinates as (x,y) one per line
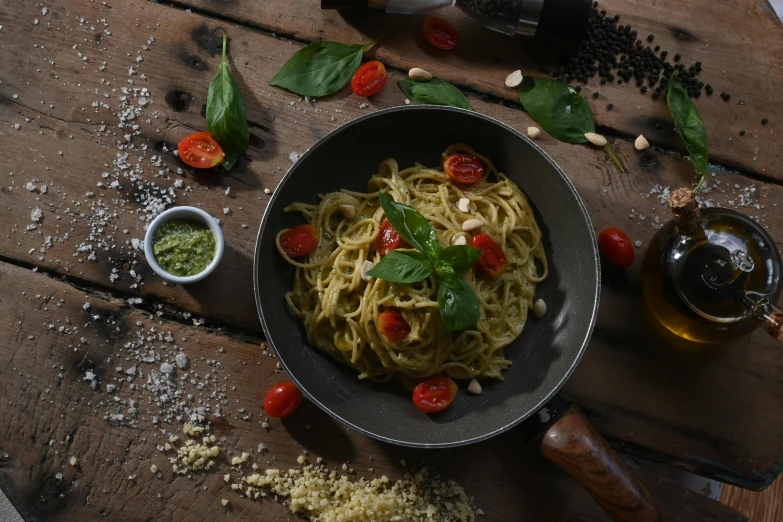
(708,89)
(578,88)
(742,133)
(613,53)
(677,57)
(764,121)
(726,96)
(609,107)
(595,95)
(643,89)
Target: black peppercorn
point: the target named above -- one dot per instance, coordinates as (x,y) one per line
(603,81)
(609,107)
(764,121)
(742,133)
(650,37)
(578,88)
(643,89)
(664,54)
(677,57)
(595,94)
(726,96)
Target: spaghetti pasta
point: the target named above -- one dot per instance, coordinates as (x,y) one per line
(339,309)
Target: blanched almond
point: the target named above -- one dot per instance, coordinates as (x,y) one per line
(348,211)
(641,143)
(459,240)
(539,308)
(514,79)
(366,267)
(420,75)
(474,387)
(463,204)
(533,132)
(595,139)
(471,224)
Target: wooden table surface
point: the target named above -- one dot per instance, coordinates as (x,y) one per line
(66,124)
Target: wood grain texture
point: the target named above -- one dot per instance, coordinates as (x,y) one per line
(646,397)
(576,447)
(766,506)
(739,44)
(51,413)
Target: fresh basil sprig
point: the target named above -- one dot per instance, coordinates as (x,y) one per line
(433,92)
(557,108)
(227,114)
(320,69)
(459,307)
(689,125)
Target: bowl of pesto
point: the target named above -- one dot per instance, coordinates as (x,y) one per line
(183,245)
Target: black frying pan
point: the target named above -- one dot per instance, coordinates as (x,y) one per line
(544,356)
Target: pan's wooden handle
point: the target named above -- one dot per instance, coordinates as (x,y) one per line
(576,447)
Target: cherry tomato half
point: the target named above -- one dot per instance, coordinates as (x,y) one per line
(200,150)
(492,261)
(616,247)
(434,394)
(463,168)
(369,79)
(282,400)
(388,239)
(392,325)
(440,33)
(299,241)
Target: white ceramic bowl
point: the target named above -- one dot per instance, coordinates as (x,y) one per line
(191,214)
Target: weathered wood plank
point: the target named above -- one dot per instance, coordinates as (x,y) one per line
(766,506)
(51,413)
(739,44)
(628,408)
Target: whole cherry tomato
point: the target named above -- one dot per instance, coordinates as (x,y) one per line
(392,325)
(200,150)
(464,168)
(369,79)
(388,239)
(440,33)
(492,261)
(282,400)
(434,394)
(616,247)
(299,241)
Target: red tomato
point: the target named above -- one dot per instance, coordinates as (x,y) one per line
(440,33)
(434,394)
(282,400)
(616,247)
(392,325)
(463,168)
(388,239)
(299,241)
(369,79)
(200,150)
(492,261)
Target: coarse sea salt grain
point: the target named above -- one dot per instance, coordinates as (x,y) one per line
(294,156)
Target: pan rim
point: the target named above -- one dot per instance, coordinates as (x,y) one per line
(507,426)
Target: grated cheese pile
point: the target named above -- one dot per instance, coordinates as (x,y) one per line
(326,496)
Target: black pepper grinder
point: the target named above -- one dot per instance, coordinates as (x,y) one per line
(560,23)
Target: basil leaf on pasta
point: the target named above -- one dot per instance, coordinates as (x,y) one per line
(459,307)
(402,267)
(461,258)
(412,227)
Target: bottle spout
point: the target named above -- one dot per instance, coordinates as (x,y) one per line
(769,315)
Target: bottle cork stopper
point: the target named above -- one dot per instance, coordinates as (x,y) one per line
(685,209)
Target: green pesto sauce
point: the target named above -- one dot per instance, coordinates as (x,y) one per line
(182,247)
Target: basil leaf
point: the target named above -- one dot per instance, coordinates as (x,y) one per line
(412,227)
(320,69)
(402,267)
(227,114)
(689,124)
(557,108)
(433,92)
(459,307)
(460,258)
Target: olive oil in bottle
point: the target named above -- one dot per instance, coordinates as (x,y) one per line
(700,268)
